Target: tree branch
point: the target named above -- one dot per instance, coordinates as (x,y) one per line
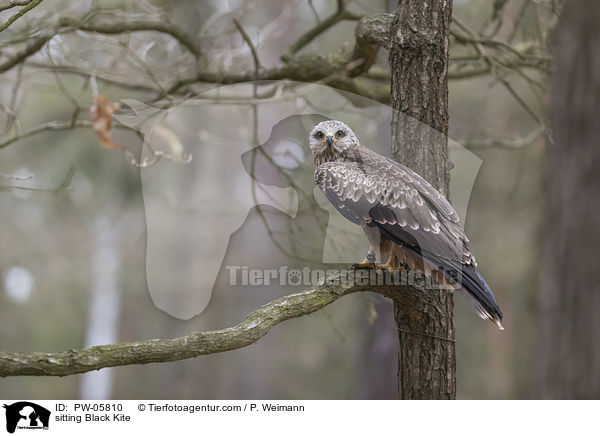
(340,15)
(53,126)
(248,41)
(254,327)
(9,4)
(506,144)
(136,26)
(68,24)
(30,49)
(332,68)
(26,8)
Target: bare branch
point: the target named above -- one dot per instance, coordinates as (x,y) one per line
(254,327)
(14,177)
(506,144)
(136,26)
(9,4)
(340,14)
(32,48)
(103,76)
(56,190)
(331,68)
(459,72)
(26,8)
(250,44)
(50,127)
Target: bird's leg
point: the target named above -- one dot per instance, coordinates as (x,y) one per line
(390,265)
(369,261)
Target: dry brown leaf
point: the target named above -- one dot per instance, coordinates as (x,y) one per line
(101,114)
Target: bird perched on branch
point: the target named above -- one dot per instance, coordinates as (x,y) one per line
(403,216)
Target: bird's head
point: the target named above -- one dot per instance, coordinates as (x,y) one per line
(330,138)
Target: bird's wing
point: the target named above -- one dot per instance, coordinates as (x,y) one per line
(369,188)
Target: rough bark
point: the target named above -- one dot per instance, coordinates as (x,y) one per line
(253,328)
(569,339)
(419,42)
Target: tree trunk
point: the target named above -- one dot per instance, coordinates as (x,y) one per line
(419,66)
(569,339)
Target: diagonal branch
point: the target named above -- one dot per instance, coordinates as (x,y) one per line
(340,14)
(30,49)
(256,325)
(26,8)
(9,4)
(248,41)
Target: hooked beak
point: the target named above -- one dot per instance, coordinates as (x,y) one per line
(329,140)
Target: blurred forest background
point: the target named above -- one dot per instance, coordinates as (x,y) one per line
(76,217)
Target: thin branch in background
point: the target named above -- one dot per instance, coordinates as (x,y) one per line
(64,90)
(340,14)
(11,110)
(51,126)
(176,148)
(329,70)
(506,144)
(30,49)
(9,4)
(250,44)
(70,25)
(63,186)
(478,42)
(14,177)
(312,8)
(497,18)
(103,76)
(517,21)
(493,64)
(161,90)
(520,100)
(135,26)
(138,62)
(32,4)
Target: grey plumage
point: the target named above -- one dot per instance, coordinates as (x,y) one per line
(413,219)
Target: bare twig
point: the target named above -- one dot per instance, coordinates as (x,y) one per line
(51,127)
(14,177)
(26,8)
(506,144)
(9,4)
(11,110)
(136,26)
(65,92)
(331,69)
(56,190)
(103,76)
(340,14)
(250,44)
(314,11)
(30,49)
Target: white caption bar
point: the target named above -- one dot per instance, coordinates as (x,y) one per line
(22,417)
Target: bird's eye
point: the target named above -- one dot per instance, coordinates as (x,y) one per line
(319,135)
(340,134)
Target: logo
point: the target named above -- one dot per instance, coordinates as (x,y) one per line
(26,415)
